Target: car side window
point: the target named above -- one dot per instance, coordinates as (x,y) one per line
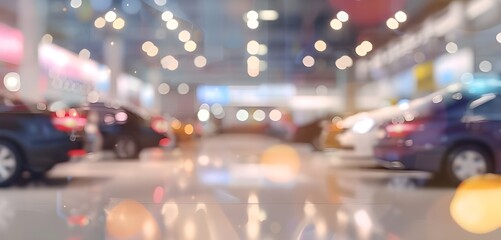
(488,106)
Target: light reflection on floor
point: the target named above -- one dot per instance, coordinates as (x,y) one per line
(230,187)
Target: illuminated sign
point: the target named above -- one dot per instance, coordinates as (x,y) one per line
(11,45)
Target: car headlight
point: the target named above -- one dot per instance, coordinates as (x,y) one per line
(363,126)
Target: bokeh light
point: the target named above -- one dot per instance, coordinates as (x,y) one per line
(12,82)
(242,115)
(110,16)
(475,205)
(167,16)
(342,16)
(169,62)
(99,22)
(161,2)
(252,23)
(190,46)
(263,49)
(203,115)
(401,16)
(308,61)
(282,163)
(268,15)
(320,45)
(253,47)
(392,23)
(163,88)
(129,218)
(119,23)
(275,115)
(172,24)
(259,115)
(451,47)
(336,24)
(485,66)
(200,61)
(84,53)
(183,89)
(184,36)
(75,3)
(189,129)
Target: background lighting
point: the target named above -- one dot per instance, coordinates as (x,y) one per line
(342,16)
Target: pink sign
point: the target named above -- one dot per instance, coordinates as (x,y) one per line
(11,45)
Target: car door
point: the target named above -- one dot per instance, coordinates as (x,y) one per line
(483,118)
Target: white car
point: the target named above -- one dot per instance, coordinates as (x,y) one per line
(361,132)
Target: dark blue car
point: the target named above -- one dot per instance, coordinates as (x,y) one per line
(455,132)
(31,140)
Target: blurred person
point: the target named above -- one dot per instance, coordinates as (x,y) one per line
(93,137)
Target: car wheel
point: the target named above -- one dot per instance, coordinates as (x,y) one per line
(11,164)
(466,161)
(126,147)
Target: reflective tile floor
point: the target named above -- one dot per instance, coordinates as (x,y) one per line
(234,187)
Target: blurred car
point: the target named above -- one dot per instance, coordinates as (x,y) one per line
(127,131)
(34,140)
(455,132)
(327,139)
(359,132)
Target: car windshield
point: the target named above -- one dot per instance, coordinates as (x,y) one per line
(250,119)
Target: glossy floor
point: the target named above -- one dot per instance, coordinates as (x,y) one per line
(231,187)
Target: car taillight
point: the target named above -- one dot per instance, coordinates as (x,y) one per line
(160,125)
(68,121)
(77,153)
(164,142)
(401,130)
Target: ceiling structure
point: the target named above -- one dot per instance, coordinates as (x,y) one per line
(221,34)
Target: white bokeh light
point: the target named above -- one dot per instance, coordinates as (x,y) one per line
(183,89)
(163,88)
(172,24)
(336,24)
(190,46)
(12,82)
(320,45)
(342,16)
(308,61)
(75,3)
(259,115)
(110,16)
(401,16)
(184,36)
(242,115)
(203,115)
(200,61)
(451,47)
(167,16)
(485,66)
(392,23)
(275,115)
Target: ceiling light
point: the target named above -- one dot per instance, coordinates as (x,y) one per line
(392,23)
(342,16)
(308,61)
(167,16)
(336,24)
(401,16)
(172,24)
(268,15)
(110,16)
(320,46)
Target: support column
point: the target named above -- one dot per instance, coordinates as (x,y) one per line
(155,78)
(31,16)
(113,57)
